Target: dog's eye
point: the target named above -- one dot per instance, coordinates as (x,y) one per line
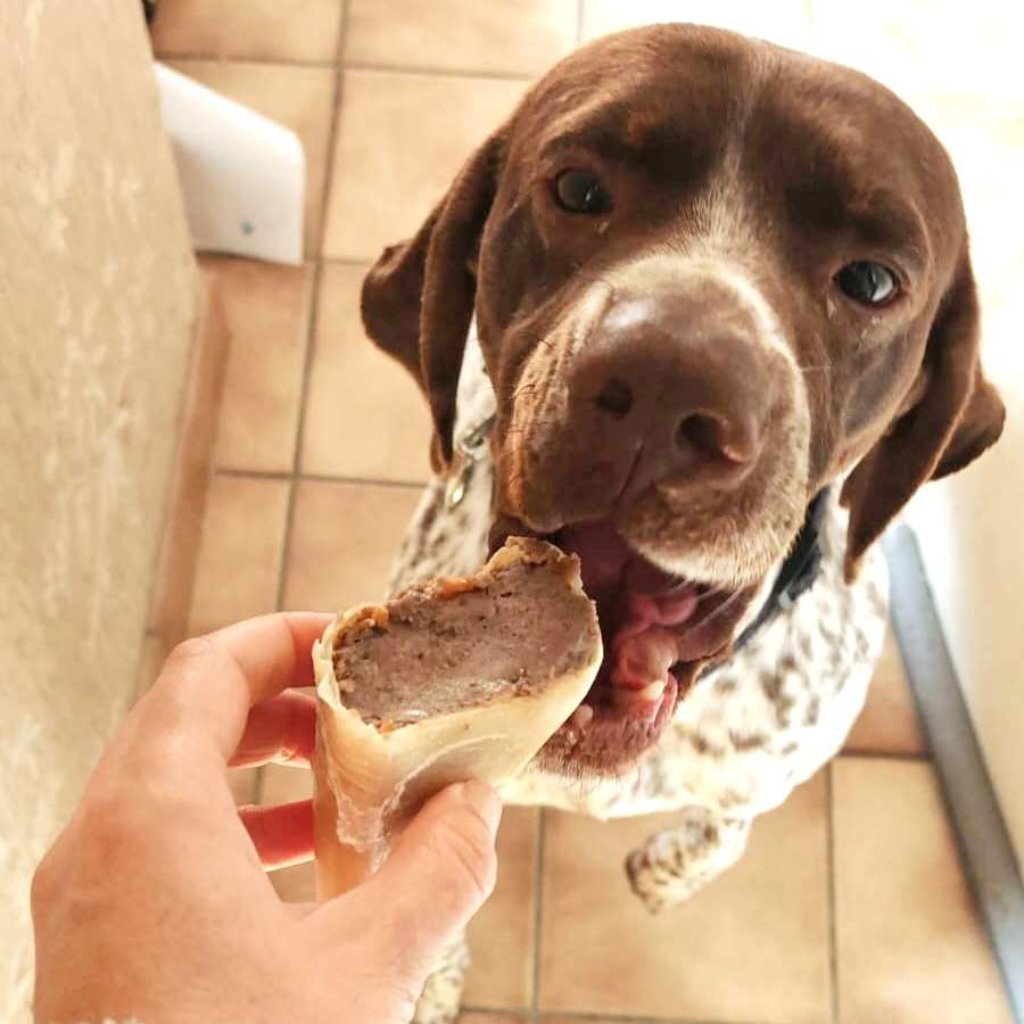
(867,282)
(579,191)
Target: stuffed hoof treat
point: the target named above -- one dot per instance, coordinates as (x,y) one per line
(451,680)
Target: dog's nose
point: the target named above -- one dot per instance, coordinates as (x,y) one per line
(673,393)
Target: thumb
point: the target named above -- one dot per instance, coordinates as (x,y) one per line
(438,875)
(444,861)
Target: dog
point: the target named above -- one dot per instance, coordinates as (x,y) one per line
(702,312)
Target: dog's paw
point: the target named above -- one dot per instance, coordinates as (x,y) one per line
(673,865)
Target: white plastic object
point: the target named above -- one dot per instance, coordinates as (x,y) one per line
(242,175)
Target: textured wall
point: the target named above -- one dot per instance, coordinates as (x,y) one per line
(969,525)
(97,289)
(969,529)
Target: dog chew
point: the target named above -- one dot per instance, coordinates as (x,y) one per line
(452,679)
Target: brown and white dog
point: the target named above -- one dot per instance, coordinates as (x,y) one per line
(691,283)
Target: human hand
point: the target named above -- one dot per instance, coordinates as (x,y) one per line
(153,903)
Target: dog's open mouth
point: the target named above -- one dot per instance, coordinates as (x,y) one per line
(658,630)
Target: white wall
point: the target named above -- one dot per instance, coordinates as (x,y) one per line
(971,532)
(959,65)
(971,527)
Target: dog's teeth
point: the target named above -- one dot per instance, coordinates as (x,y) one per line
(651,692)
(581,716)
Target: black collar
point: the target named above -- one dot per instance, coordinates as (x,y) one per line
(798,572)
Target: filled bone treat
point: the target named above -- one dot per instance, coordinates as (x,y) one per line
(451,680)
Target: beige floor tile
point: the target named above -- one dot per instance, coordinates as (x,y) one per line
(267,312)
(501,940)
(401,140)
(344,540)
(365,416)
(240,553)
(786,23)
(924,46)
(501,37)
(285,784)
(889,723)
(254,30)
(910,945)
(300,98)
(243,784)
(753,946)
(296,884)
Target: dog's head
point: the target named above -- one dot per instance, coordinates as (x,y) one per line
(709,276)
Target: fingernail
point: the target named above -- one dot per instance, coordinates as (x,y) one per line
(485,802)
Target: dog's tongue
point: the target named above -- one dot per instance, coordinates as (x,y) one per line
(638,605)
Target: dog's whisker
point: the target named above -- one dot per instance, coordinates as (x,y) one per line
(716,613)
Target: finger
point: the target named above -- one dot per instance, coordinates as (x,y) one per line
(439,874)
(205,690)
(281,729)
(282,835)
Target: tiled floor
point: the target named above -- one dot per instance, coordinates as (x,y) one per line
(850,904)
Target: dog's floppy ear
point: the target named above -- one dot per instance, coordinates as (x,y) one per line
(418,298)
(959,415)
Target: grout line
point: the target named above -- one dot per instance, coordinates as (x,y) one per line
(406,485)
(417,70)
(619,1018)
(320,478)
(292,478)
(579,21)
(213,58)
(584,1016)
(830,844)
(495,1012)
(350,261)
(426,71)
(314,306)
(253,474)
(538,909)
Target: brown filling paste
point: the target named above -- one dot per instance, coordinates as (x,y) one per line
(509,634)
